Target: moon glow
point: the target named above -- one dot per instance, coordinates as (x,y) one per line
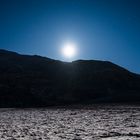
(69,50)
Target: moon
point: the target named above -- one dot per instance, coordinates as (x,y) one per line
(69,50)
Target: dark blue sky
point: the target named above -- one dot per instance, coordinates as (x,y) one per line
(102,29)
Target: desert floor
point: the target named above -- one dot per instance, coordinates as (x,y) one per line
(96,122)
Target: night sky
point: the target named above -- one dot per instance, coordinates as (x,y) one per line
(102,29)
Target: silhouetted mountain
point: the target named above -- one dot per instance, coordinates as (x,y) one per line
(27,81)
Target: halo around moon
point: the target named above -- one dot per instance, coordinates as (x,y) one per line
(69,50)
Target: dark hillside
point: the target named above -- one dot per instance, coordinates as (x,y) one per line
(29,81)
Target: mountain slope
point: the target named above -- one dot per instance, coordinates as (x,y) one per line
(27,81)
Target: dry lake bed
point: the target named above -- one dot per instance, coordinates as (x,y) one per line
(96,122)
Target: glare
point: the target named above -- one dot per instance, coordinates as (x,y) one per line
(69,50)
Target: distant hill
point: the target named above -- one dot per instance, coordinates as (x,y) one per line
(31,81)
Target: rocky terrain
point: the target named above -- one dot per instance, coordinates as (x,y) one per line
(35,81)
(97,122)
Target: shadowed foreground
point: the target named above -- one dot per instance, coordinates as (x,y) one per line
(90,123)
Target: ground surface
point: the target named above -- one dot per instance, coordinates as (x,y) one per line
(104,122)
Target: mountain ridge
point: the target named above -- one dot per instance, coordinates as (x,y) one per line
(32,80)
(3,51)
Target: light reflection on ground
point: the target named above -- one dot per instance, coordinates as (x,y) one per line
(91,123)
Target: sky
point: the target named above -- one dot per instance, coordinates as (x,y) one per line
(101,29)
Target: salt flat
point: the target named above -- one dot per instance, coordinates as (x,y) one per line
(96,122)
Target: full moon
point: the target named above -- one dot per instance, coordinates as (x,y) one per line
(69,50)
